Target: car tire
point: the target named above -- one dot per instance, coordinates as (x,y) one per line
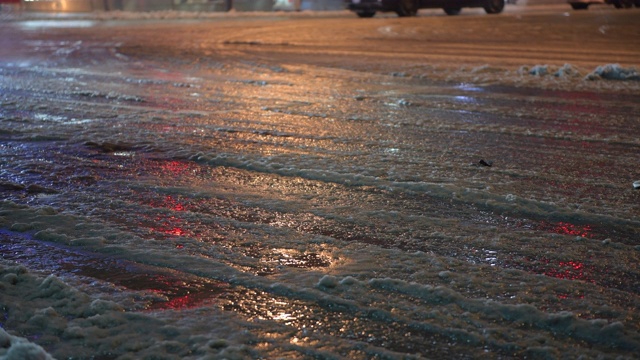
(623,4)
(494,6)
(579,6)
(366,13)
(452,11)
(407,8)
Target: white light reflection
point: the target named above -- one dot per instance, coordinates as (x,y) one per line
(465,99)
(39,24)
(469,87)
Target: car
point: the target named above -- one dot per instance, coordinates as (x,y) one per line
(368,8)
(286,5)
(584,4)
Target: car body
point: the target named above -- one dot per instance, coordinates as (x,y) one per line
(584,4)
(286,5)
(368,8)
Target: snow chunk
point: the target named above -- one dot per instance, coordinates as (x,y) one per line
(52,236)
(567,71)
(99,307)
(328,281)
(17,348)
(52,287)
(613,72)
(349,281)
(539,70)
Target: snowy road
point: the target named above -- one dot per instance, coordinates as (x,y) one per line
(315,185)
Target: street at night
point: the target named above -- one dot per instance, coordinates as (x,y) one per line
(315,185)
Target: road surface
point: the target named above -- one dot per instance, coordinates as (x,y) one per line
(314,185)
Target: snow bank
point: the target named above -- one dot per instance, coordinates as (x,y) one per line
(568,71)
(566,323)
(613,72)
(17,348)
(85,327)
(567,77)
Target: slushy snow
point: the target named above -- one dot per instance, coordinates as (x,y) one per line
(228,191)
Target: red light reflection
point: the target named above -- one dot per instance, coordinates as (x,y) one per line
(175,167)
(173,204)
(571,229)
(170,226)
(568,296)
(169,202)
(570,270)
(183,302)
(573,270)
(566,228)
(175,231)
(163,225)
(183,294)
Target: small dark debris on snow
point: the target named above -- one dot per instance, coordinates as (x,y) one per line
(252,42)
(109,147)
(11,186)
(85,179)
(256,82)
(403,102)
(37,189)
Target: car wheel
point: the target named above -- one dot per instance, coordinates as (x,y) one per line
(579,6)
(452,11)
(366,13)
(407,8)
(494,6)
(620,4)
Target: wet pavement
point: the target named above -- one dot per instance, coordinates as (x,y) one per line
(339,187)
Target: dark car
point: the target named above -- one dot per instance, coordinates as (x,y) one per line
(368,8)
(584,4)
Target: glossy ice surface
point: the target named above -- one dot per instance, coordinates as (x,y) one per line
(314,185)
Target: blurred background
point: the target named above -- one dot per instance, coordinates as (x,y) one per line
(180,5)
